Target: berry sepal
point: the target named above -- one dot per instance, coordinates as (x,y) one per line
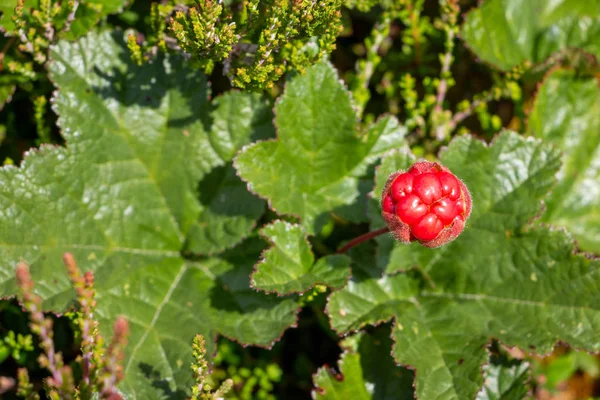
(426,203)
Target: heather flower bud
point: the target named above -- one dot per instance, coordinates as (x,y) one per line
(427,203)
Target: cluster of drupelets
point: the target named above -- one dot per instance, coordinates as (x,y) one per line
(426,203)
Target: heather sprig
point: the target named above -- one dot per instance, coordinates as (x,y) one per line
(88,326)
(38,28)
(255,41)
(201,389)
(102,368)
(426,111)
(205,31)
(112,370)
(42,327)
(25,387)
(367,66)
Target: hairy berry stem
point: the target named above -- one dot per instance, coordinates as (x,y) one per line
(363,238)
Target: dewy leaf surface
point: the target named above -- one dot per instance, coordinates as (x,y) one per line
(366,372)
(121,197)
(501,278)
(289,265)
(567,113)
(509,32)
(314,165)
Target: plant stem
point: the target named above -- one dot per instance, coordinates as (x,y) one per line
(363,238)
(71,16)
(461,116)
(443,86)
(450,12)
(365,68)
(414,22)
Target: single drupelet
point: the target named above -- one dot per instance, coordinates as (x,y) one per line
(427,203)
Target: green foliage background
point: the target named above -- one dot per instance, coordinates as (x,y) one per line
(208,169)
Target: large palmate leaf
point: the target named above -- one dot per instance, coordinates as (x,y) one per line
(121,197)
(502,278)
(289,265)
(567,114)
(366,372)
(508,32)
(314,165)
(229,210)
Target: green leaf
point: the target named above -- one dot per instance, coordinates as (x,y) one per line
(558,371)
(566,113)
(239,119)
(111,6)
(86,18)
(369,298)
(172,140)
(7,10)
(509,32)
(366,372)
(4,351)
(121,197)
(314,165)
(289,265)
(501,278)
(505,382)
(229,210)
(6,91)
(210,297)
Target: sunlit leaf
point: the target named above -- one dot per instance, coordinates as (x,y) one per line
(567,114)
(122,197)
(501,278)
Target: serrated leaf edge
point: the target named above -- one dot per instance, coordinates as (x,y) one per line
(272,244)
(529,224)
(359,131)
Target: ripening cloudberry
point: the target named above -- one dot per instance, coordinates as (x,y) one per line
(427,203)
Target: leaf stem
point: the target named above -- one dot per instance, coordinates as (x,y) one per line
(363,238)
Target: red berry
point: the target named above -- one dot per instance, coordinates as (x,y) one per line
(446,210)
(388,204)
(428,227)
(427,203)
(402,186)
(450,185)
(410,209)
(461,206)
(428,187)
